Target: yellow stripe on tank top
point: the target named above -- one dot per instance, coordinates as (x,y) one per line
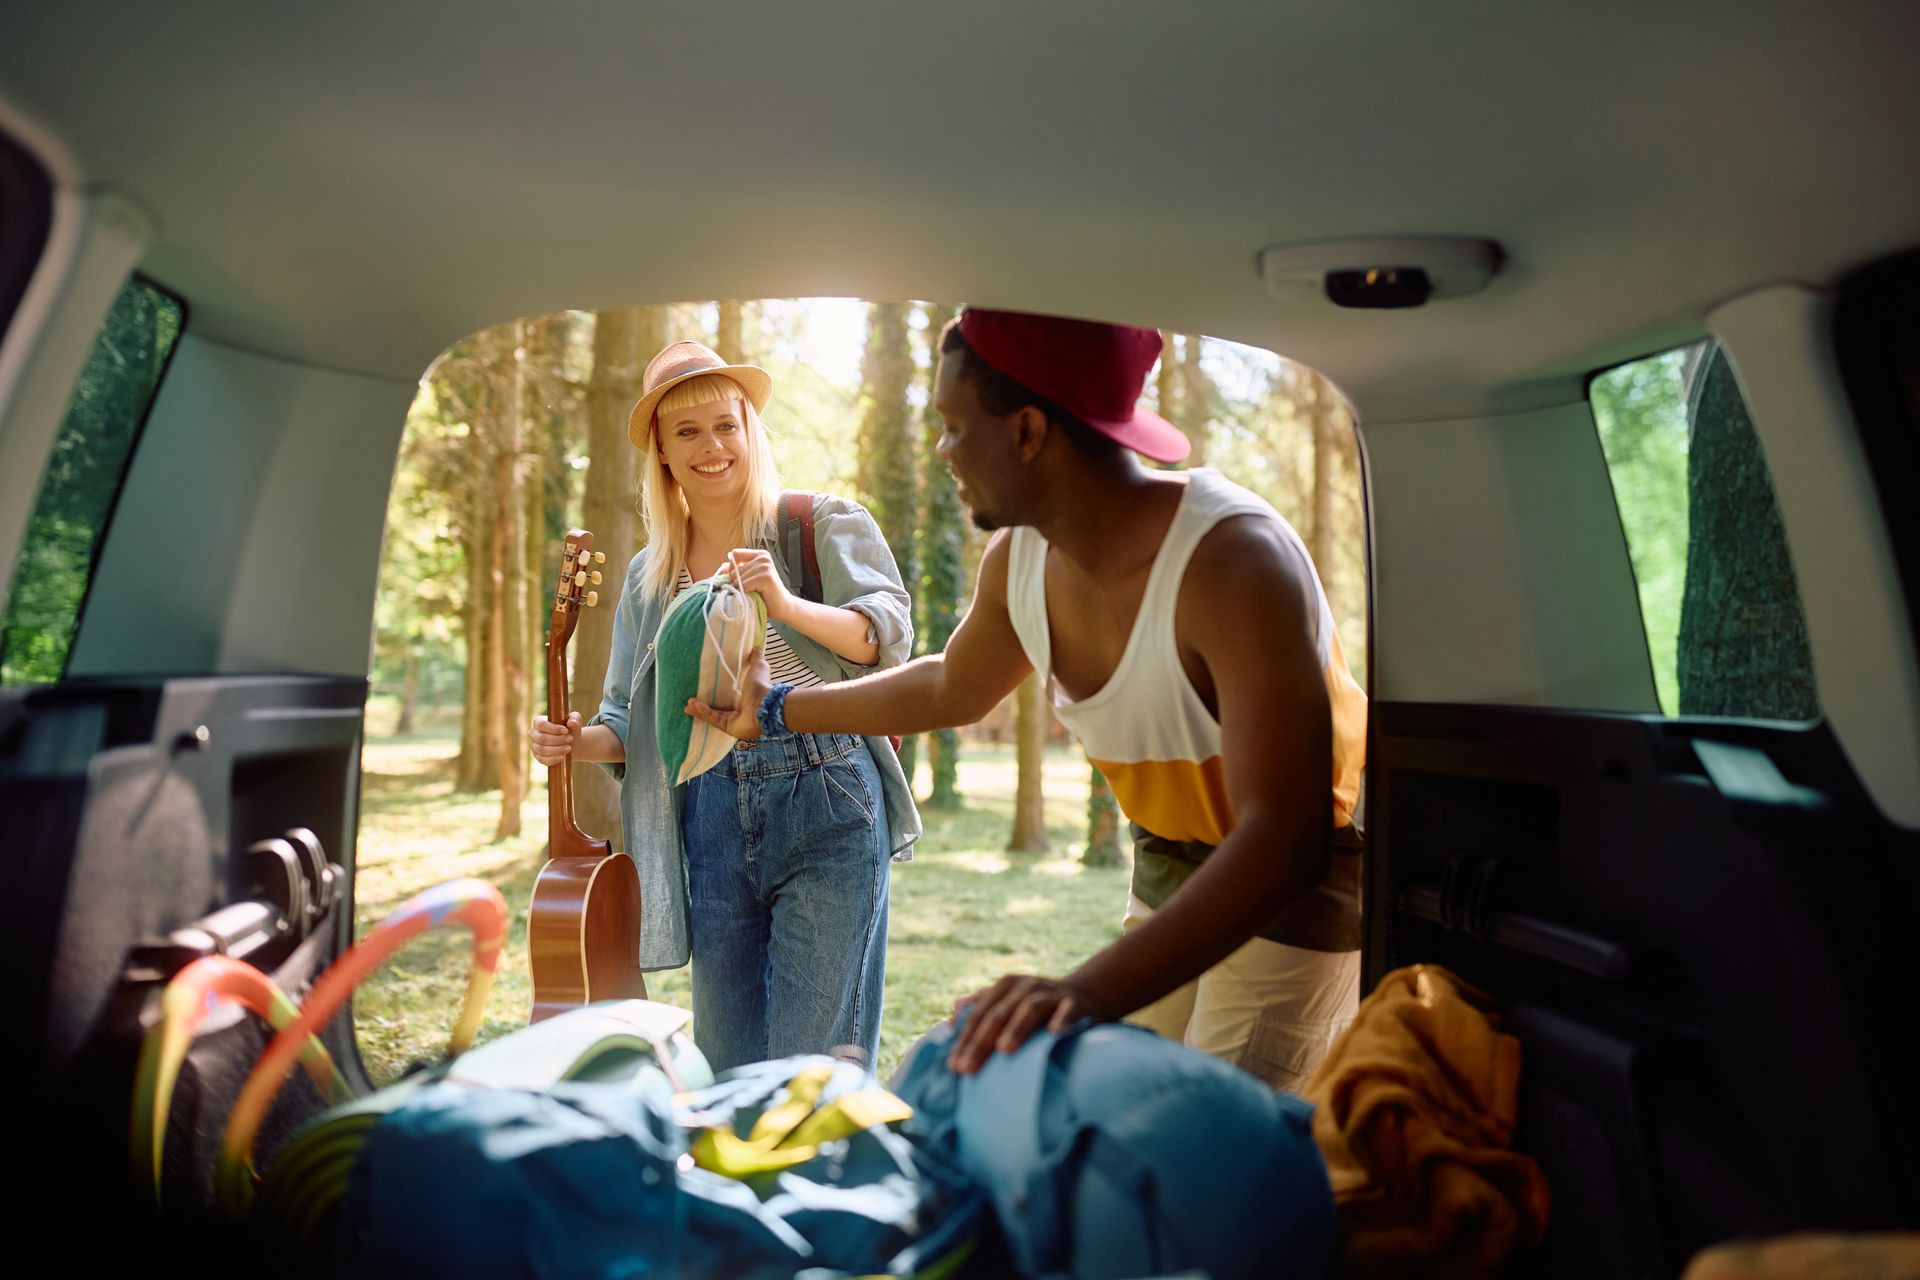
(1176,799)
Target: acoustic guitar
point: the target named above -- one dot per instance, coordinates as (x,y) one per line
(583,928)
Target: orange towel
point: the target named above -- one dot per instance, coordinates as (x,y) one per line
(1811,1257)
(1414,1112)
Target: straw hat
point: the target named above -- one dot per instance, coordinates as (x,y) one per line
(675,365)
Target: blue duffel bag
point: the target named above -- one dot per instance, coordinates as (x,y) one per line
(1108,1151)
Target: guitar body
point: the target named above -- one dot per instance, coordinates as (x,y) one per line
(583,931)
(583,926)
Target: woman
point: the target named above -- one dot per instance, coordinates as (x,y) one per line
(772,866)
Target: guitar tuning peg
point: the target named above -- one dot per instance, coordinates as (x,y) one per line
(593,598)
(580,578)
(599,557)
(596,577)
(584,555)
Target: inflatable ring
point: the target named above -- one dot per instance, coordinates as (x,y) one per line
(186,1003)
(474,903)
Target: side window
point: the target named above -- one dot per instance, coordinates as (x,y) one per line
(1717,589)
(82,482)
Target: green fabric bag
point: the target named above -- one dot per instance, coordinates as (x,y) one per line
(701,651)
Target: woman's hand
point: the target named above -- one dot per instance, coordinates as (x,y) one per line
(754,570)
(553,743)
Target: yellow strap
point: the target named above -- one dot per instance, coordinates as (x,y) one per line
(792,1132)
(721,1151)
(803,1094)
(844,1117)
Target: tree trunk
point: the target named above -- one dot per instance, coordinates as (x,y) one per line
(1104,846)
(475,769)
(1166,382)
(609,513)
(1029,802)
(890,478)
(409,692)
(727,334)
(943,770)
(499,702)
(542,346)
(511,610)
(1195,400)
(1324,411)
(1743,647)
(943,569)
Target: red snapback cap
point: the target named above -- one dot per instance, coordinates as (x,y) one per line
(1094,371)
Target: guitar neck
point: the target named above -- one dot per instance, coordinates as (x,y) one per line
(564,838)
(560,825)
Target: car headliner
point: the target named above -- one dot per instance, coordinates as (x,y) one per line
(357,185)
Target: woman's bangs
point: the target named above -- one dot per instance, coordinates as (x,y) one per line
(705,389)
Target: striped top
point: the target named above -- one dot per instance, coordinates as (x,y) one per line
(782,661)
(1147,730)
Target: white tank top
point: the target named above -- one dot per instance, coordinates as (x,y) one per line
(1146,729)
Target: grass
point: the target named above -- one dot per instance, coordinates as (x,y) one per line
(963,911)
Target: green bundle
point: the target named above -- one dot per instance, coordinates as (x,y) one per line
(701,651)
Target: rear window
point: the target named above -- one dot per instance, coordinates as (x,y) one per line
(82,482)
(1725,629)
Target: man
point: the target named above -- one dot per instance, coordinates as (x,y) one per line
(1180,626)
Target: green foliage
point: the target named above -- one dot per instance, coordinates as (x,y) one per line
(423,573)
(1743,648)
(1104,848)
(1641,411)
(892,483)
(81,482)
(890,479)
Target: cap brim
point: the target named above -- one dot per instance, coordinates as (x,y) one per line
(756,382)
(1147,433)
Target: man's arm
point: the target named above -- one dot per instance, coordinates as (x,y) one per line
(982,664)
(1250,614)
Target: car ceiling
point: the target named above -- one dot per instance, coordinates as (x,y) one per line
(357,185)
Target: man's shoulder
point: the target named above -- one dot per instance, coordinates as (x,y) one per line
(1226,499)
(1246,559)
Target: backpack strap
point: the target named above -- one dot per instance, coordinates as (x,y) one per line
(803,560)
(796,537)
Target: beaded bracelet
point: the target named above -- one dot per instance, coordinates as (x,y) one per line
(773,711)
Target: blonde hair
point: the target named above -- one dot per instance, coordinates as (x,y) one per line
(664,506)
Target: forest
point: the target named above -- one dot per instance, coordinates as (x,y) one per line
(519,433)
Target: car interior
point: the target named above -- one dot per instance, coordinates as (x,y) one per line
(272,220)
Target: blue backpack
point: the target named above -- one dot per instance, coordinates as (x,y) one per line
(1108,1151)
(799,1169)
(781,1169)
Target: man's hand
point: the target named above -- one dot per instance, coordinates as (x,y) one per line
(743,721)
(1011,1010)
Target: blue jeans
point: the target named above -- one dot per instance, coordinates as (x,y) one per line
(787,863)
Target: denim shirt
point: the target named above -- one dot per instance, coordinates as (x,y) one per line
(857,571)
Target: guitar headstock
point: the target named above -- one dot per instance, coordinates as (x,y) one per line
(577,561)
